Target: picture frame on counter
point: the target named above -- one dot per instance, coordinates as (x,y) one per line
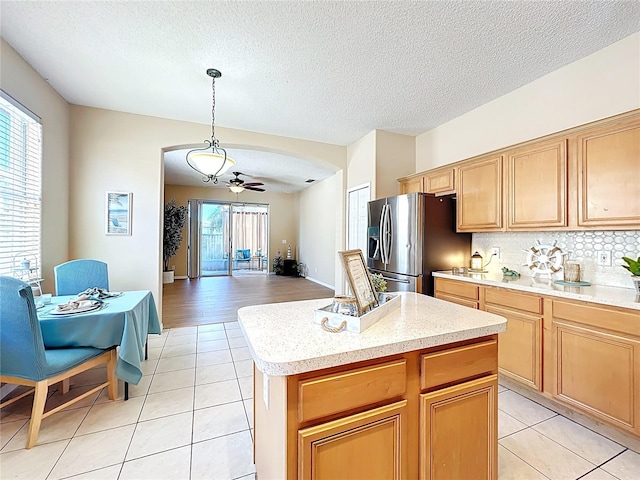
(359,279)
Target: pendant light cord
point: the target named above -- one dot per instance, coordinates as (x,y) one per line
(214,141)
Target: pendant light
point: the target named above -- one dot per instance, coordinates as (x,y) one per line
(211,160)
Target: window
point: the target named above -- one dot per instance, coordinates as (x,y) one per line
(20,185)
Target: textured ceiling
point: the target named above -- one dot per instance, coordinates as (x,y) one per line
(323,71)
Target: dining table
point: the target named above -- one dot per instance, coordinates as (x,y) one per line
(123,321)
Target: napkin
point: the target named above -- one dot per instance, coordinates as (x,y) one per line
(96,292)
(81,302)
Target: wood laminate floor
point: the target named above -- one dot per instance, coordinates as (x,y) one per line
(208,300)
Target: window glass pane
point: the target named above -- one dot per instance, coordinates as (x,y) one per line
(20,190)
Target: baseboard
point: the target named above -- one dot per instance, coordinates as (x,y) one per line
(321,283)
(180,278)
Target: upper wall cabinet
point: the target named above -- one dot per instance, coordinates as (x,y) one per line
(440,182)
(412,185)
(479,193)
(536,178)
(609,175)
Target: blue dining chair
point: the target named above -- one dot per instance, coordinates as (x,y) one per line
(76,276)
(25,361)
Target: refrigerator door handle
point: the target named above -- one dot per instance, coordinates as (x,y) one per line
(387,233)
(396,280)
(383,236)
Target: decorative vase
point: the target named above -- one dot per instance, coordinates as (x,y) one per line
(167,277)
(636,283)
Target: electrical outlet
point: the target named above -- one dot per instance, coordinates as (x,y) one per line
(495,251)
(604,258)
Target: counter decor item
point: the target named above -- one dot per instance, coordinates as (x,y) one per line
(634,268)
(509,274)
(366,307)
(544,260)
(571,272)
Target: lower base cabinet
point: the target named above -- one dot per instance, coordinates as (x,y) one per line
(367,445)
(428,414)
(459,431)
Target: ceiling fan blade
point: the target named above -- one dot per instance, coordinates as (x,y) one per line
(253,184)
(255,189)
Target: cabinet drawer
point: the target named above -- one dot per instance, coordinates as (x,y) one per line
(457,364)
(601,317)
(460,301)
(453,287)
(519,301)
(340,392)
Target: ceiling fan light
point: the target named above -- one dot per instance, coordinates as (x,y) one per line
(210,163)
(236,188)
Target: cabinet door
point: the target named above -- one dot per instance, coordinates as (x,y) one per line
(412,185)
(598,372)
(479,193)
(520,347)
(369,445)
(609,169)
(440,182)
(537,186)
(459,431)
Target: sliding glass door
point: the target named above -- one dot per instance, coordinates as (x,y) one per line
(227,238)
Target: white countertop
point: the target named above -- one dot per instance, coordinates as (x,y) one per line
(283,339)
(616,296)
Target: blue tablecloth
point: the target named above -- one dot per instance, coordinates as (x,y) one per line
(125,321)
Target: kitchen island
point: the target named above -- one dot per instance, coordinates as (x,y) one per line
(413,396)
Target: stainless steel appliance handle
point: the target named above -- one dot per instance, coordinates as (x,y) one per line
(382,234)
(397,280)
(388,234)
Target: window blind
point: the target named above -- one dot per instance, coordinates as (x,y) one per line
(20,187)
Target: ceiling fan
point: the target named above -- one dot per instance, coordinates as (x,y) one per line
(237,185)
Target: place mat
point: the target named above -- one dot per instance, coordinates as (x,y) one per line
(572,284)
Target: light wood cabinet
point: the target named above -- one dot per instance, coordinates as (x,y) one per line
(382,419)
(537,186)
(369,445)
(479,194)
(455,424)
(608,173)
(597,366)
(412,185)
(440,182)
(520,353)
(462,293)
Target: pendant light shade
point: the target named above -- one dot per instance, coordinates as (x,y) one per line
(211,160)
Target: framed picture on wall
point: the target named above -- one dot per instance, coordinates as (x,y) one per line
(118,213)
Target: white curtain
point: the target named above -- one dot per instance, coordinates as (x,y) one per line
(250,231)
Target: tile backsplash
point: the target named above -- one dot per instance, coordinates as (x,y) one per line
(582,247)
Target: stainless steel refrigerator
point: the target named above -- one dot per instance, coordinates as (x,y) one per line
(412,235)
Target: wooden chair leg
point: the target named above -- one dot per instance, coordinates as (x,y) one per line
(111,375)
(39,399)
(64,386)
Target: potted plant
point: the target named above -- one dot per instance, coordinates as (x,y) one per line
(278,264)
(380,286)
(175,219)
(634,267)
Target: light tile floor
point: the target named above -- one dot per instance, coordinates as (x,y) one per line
(191,417)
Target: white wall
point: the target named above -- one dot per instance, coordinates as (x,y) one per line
(600,85)
(395,158)
(23,83)
(321,229)
(361,158)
